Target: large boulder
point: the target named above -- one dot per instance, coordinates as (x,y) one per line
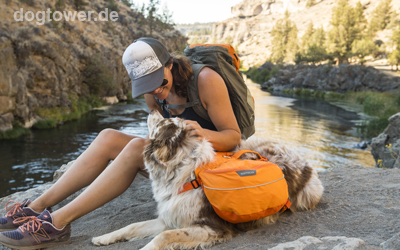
(386,147)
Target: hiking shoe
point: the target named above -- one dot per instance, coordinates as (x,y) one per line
(37,232)
(16,211)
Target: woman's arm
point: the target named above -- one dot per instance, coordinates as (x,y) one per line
(215,99)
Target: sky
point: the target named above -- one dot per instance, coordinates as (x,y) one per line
(191,11)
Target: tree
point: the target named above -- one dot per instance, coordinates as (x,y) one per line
(360,20)
(380,17)
(284,40)
(127,2)
(305,39)
(166,21)
(394,59)
(152,9)
(312,46)
(345,29)
(362,48)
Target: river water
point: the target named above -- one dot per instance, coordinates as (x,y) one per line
(323,133)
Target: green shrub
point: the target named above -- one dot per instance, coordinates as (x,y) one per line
(15,132)
(112,5)
(374,127)
(45,124)
(56,115)
(99,77)
(261,76)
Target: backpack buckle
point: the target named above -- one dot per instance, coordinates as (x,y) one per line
(197,183)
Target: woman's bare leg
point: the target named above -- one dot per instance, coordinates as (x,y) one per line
(112,182)
(86,168)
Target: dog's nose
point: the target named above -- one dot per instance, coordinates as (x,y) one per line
(153,111)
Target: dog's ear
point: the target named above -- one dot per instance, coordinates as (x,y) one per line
(153,119)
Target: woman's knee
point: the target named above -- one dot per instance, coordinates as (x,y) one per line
(112,141)
(107,135)
(136,146)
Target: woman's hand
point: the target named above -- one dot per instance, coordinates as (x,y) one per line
(194,129)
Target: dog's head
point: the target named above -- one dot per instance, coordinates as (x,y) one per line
(170,145)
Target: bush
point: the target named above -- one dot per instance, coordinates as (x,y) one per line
(98,77)
(261,76)
(45,124)
(56,115)
(15,132)
(112,5)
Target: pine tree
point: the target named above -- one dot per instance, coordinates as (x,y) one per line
(127,2)
(284,39)
(345,29)
(360,20)
(319,37)
(152,9)
(305,39)
(394,56)
(166,21)
(380,17)
(394,59)
(362,48)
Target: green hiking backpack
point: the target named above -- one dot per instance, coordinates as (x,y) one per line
(223,59)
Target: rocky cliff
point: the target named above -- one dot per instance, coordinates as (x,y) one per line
(42,66)
(252,21)
(341,78)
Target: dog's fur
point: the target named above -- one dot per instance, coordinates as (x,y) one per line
(187,220)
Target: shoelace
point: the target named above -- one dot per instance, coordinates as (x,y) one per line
(30,223)
(13,209)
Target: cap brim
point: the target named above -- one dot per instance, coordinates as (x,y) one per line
(148,83)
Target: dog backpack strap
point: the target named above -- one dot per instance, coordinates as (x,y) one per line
(193,184)
(241,152)
(286,206)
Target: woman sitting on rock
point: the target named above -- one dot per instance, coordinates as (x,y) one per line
(156,74)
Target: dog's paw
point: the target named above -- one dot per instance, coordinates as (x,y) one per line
(103,240)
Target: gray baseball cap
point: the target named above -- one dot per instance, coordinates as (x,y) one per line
(144,60)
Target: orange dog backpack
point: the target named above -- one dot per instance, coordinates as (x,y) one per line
(242,190)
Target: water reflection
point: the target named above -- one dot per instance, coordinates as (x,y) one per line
(322,133)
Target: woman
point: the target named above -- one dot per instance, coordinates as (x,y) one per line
(157,75)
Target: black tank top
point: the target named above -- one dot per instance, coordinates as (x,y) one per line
(190,114)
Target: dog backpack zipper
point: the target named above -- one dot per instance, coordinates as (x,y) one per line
(242,190)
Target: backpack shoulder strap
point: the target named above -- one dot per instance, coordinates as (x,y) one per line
(193,91)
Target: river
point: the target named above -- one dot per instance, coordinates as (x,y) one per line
(322,133)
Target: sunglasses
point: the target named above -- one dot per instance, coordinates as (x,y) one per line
(164,82)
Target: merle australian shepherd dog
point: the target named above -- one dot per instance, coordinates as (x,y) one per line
(187,220)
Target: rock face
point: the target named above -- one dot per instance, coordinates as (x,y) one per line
(41,66)
(252,21)
(386,147)
(340,78)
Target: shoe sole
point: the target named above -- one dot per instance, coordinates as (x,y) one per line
(40,246)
